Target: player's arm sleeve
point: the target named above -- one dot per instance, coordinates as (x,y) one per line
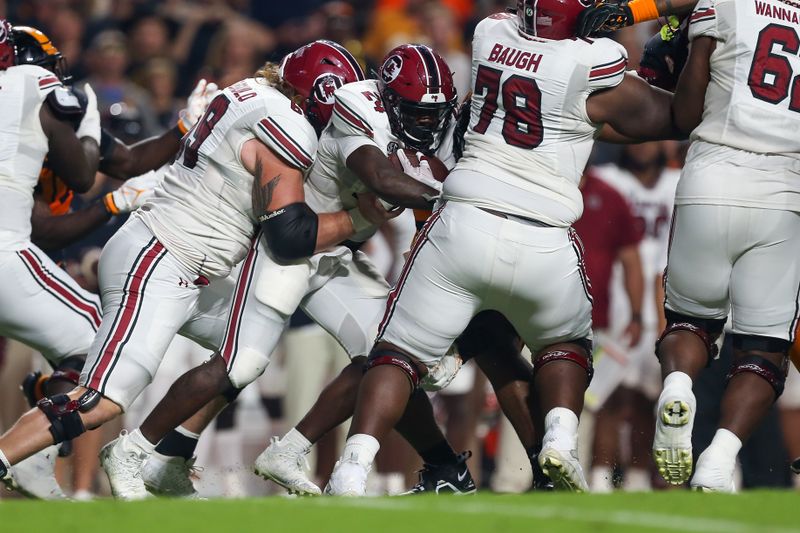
(291,137)
(630,232)
(609,60)
(703,20)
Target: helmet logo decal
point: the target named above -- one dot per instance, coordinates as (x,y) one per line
(391,68)
(324,87)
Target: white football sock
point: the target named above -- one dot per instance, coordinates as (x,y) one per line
(561,428)
(296,440)
(678,379)
(601,479)
(361,448)
(186,433)
(726,444)
(139,440)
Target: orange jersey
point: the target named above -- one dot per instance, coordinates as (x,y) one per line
(54,191)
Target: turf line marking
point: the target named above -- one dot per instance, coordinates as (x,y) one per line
(576,514)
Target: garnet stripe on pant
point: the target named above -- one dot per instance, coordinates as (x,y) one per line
(59,275)
(127,311)
(230,343)
(419,240)
(59,290)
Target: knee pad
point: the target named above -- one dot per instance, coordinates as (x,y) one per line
(585,362)
(764,368)
(708,330)
(69,369)
(231,393)
(756,343)
(393,358)
(64,414)
(247,366)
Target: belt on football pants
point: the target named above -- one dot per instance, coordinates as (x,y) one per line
(517,218)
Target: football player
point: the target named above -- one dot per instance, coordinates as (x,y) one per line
(342,292)
(736,230)
(199,224)
(54,225)
(539,98)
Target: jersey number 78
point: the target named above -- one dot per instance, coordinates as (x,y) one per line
(522,102)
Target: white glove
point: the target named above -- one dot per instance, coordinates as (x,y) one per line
(90,123)
(132,194)
(422,173)
(442,373)
(196,105)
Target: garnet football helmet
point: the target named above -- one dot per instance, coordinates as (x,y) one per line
(6,46)
(315,71)
(32,47)
(418,94)
(550,19)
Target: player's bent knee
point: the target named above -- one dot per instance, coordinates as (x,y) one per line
(384,356)
(764,368)
(69,369)
(64,413)
(708,330)
(582,358)
(249,364)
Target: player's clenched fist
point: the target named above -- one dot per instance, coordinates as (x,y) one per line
(132,194)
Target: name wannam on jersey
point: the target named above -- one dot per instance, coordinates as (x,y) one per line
(777,12)
(514,57)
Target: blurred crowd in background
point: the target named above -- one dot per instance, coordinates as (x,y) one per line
(142,58)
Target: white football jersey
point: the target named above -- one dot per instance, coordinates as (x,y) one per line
(23,147)
(529,133)
(652,208)
(202,211)
(752,104)
(359,119)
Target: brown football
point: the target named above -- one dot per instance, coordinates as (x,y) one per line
(438,169)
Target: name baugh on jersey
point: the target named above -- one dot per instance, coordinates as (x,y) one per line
(514,57)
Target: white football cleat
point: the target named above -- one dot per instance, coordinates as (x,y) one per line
(672,445)
(35,477)
(713,474)
(122,461)
(349,478)
(286,465)
(169,476)
(563,468)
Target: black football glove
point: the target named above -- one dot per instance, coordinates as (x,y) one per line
(604,17)
(665,55)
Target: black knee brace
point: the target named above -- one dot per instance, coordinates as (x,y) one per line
(583,361)
(401,361)
(763,368)
(707,330)
(64,414)
(757,343)
(231,393)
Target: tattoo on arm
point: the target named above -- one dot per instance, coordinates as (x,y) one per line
(262,194)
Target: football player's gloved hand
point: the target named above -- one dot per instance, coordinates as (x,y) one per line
(665,55)
(421,173)
(196,105)
(131,194)
(90,123)
(443,373)
(604,17)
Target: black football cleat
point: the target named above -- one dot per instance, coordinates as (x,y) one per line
(453,478)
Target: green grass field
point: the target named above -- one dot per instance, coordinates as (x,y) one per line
(676,511)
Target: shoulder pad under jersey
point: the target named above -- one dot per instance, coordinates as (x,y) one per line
(607,63)
(67,104)
(358,109)
(290,136)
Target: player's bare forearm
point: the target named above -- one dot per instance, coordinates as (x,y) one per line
(333,228)
(390,184)
(50,232)
(633,277)
(128,161)
(634,109)
(74,160)
(690,93)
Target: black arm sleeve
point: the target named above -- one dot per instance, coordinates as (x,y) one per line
(291,231)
